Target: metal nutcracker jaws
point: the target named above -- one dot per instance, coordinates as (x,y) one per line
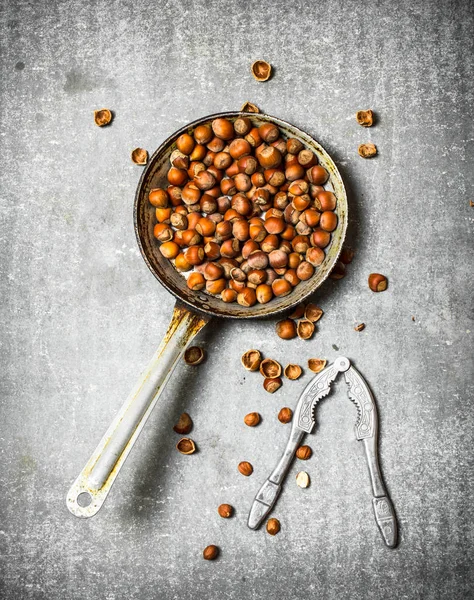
(366,430)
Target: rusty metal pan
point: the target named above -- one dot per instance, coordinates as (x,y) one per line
(192,312)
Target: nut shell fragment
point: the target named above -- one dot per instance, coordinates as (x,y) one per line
(225,511)
(313,313)
(365,118)
(184,425)
(102,117)
(316,364)
(302,479)
(367,150)
(359,327)
(251,360)
(270,368)
(186,446)
(261,70)
(273,526)
(305,329)
(139,156)
(249,107)
(293,371)
(194,356)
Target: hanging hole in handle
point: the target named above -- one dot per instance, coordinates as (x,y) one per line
(84,499)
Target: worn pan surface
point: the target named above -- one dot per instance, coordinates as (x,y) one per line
(192,312)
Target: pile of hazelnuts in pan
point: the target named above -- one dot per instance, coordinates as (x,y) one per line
(245,212)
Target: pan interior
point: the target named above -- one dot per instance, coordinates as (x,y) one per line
(155,176)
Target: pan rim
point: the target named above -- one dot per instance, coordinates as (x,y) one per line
(143,178)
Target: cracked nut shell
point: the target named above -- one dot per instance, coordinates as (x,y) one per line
(285,415)
(251,360)
(261,70)
(184,424)
(367,150)
(194,356)
(359,327)
(245,468)
(313,313)
(305,329)
(102,117)
(210,552)
(139,156)
(304,452)
(270,368)
(302,479)
(252,419)
(186,446)
(249,107)
(365,118)
(225,511)
(273,526)
(292,371)
(316,364)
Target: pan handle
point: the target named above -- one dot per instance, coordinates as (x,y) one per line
(90,489)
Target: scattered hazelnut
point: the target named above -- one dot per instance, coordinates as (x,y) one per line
(273,526)
(210,552)
(194,355)
(298,311)
(252,419)
(249,107)
(102,117)
(359,327)
(367,150)
(245,468)
(365,118)
(313,313)
(261,70)
(272,384)
(286,329)
(338,271)
(251,360)
(225,511)
(302,479)
(316,364)
(305,329)
(139,156)
(347,254)
(186,446)
(304,452)
(184,424)
(377,282)
(292,371)
(270,368)
(285,415)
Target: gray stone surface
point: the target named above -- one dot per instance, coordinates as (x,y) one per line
(81,314)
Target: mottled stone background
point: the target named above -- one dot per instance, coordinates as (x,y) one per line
(81,314)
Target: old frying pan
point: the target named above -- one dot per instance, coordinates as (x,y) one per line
(192,311)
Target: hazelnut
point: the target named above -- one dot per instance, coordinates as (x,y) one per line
(186,446)
(184,424)
(294,146)
(293,371)
(158,198)
(249,107)
(304,452)
(315,256)
(247,297)
(205,180)
(318,175)
(228,295)
(182,264)
(258,259)
(278,259)
(377,282)
(179,221)
(338,271)
(281,287)
(169,250)
(269,157)
(269,132)
(305,329)
(293,172)
(243,184)
(367,150)
(273,526)
(251,360)
(272,384)
(285,415)
(247,165)
(302,479)
(347,255)
(320,238)
(163,215)
(327,200)
(253,137)
(263,293)
(102,117)
(139,156)
(298,311)
(328,221)
(313,313)
(298,188)
(225,511)
(238,148)
(199,153)
(163,232)
(194,255)
(252,419)
(257,276)
(216,286)
(270,368)
(316,364)
(193,355)
(191,194)
(261,70)
(210,552)
(245,468)
(306,158)
(203,134)
(223,129)
(305,270)
(365,118)
(185,143)
(359,327)
(242,125)
(196,281)
(286,329)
